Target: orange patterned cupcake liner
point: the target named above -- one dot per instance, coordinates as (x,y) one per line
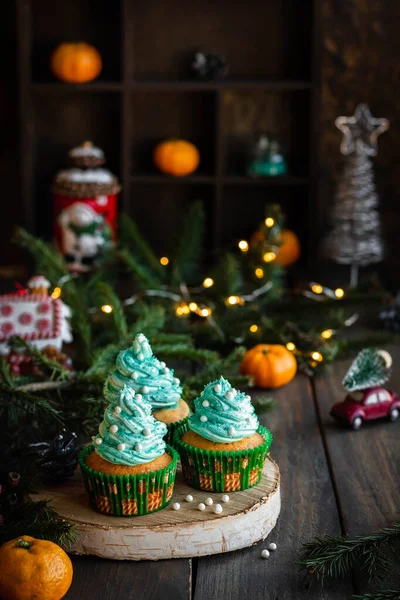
(129,495)
(220,471)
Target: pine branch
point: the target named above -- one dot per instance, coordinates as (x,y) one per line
(132,238)
(16,405)
(48,262)
(5,377)
(108,296)
(184,351)
(38,520)
(143,275)
(381,595)
(103,360)
(76,297)
(187,255)
(54,370)
(227,276)
(150,320)
(335,557)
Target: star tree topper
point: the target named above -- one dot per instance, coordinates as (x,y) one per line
(361,131)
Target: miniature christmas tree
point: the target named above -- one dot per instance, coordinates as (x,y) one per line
(370,368)
(145,374)
(129,434)
(356,238)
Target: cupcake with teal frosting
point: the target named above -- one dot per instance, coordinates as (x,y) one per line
(224,447)
(129,470)
(150,377)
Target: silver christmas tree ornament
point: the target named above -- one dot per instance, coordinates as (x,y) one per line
(355,238)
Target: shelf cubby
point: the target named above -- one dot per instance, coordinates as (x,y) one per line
(145,94)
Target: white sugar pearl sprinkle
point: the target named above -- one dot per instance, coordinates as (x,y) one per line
(272,546)
(176,506)
(230,394)
(146,431)
(121,447)
(99,441)
(165,370)
(138,447)
(189,498)
(139,397)
(135,375)
(205,403)
(203,419)
(201,506)
(231,431)
(218,509)
(145,389)
(140,356)
(209,501)
(117,410)
(217,388)
(176,381)
(114,428)
(162,365)
(265,554)
(225,498)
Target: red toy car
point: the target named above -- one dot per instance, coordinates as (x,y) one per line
(365,405)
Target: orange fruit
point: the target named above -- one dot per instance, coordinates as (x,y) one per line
(34,570)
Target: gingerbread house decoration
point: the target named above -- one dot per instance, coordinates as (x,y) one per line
(34,316)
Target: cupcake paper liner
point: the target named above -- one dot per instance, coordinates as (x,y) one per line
(222,471)
(182,425)
(129,495)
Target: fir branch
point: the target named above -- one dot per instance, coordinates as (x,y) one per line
(171,338)
(380,595)
(132,238)
(227,276)
(150,321)
(5,377)
(103,359)
(335,557)
(185,352)
(15,405)
(54,370)
(39,520)
(108,296)
(187,255)
(143,275)
(47,260)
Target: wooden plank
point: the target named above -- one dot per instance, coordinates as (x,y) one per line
(308,508)
(95,579)
(365,463)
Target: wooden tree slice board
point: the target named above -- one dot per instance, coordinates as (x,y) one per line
(247,518)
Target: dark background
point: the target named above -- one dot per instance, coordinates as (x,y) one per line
(359,63)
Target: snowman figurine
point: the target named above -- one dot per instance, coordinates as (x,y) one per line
(84,234)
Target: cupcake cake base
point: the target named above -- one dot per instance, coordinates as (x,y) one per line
(247,518)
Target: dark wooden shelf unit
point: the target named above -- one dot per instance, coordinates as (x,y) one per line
(144,94)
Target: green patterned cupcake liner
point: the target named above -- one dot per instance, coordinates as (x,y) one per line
(183,425)
(129,495)
(221,471)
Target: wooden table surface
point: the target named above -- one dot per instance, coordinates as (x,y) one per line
(334,480)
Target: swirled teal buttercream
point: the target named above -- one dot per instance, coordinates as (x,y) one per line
(144,373)
(129,434)
(223,414)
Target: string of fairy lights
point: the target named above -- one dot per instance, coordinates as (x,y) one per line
(185,304)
